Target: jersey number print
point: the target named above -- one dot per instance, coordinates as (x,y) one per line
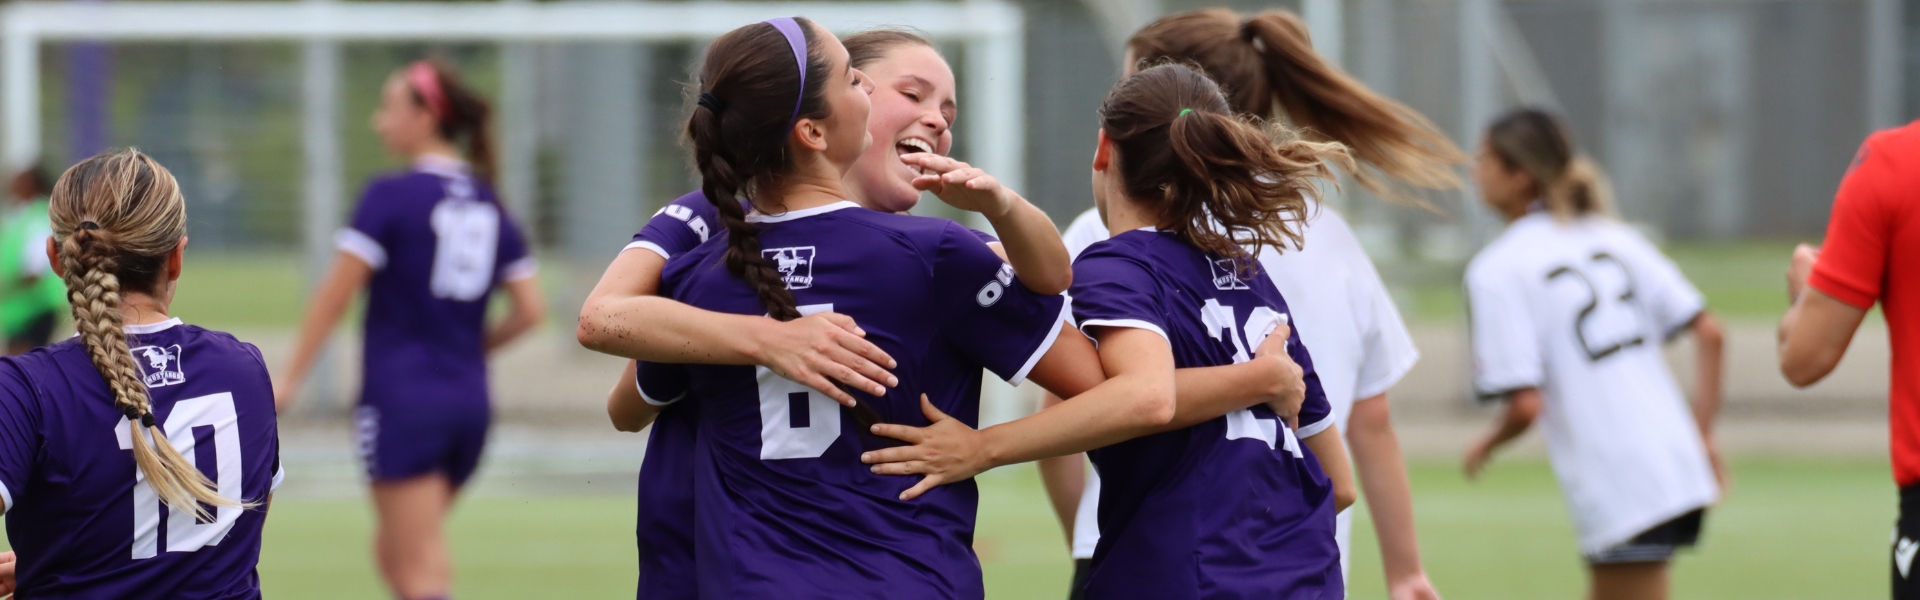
(1220,322)
(206,431)
(1620,303)
(466,236)
(795,422)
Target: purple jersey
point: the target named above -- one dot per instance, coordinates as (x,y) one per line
(1238,498)
(82,517)
(439,244)
(786,509)
(664,528)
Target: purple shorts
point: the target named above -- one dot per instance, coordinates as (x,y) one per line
(403,444)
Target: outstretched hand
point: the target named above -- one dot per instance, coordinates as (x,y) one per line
(822,348)
(945,451)
(1412,588)
(1477,456)
(7,563)
(960,185)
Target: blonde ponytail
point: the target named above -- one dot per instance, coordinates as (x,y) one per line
(117,216)
(1582,189)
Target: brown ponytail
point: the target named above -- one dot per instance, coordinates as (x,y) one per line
(467,119)
(1536,142)
(1181,149)
(740,129)
(1267,67)
(117,216)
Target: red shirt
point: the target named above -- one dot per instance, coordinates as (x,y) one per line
(1872,253)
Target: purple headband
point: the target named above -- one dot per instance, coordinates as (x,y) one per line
(797,40)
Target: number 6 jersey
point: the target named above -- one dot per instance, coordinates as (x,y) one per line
(1235,507)
(1580,310)
(82,517)
(785,507)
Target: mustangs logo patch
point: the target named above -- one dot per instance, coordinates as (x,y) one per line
(1226,275)
(160,365)
(795,265)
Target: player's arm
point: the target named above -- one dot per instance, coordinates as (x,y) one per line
(1815,332)
(623,317)
(1523,406)
(1030,239)
(8,561)
(625,406)
(1065,478)
(1382,472)
(1332,452)
(525,307)
(348,274)
(1136,399)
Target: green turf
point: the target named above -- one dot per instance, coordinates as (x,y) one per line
(1796,530)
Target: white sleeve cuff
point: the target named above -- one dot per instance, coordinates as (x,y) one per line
(279,477)
(1315,428)
(6,496)
(1133,323)
(1381,385)
(520,269)
(643,244)
(352,241)
(657,401)
(1066,316)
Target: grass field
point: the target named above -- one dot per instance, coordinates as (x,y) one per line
(1790,530)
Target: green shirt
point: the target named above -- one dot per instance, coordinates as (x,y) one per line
(28,287)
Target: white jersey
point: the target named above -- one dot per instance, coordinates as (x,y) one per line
(1341,309)
(1580,310)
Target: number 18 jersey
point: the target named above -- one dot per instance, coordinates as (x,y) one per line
(1235,507)
(81,515)
(1580,310)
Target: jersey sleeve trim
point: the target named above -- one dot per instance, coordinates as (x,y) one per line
(520,269)
(7,497)
(279,477)
(352,241)
(1500,395)
(656,401)
(1315,428)
(646,245)
(1066,316)
(1386,382)
(1133,323)
(1684,325)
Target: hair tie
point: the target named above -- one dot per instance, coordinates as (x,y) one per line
(426,81)
(712,102)
(797,41)
(89,225)
(1183,112)
(146,420)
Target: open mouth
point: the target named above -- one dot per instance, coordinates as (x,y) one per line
(910,146)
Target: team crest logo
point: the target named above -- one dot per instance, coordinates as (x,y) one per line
(160,365)
(795,265)
(1226,275)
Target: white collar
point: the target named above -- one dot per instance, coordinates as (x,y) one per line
(444,165)
(758,217)
(146,328)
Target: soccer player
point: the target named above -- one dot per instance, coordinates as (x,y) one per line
(430,244)
(31,296)
(192,411)
(1569,309)
(1182,183)
(1868,257)
(1360,346)
(913,101)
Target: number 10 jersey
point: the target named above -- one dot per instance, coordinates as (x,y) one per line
(1580,310)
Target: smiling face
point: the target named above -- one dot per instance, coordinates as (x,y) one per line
(913,111)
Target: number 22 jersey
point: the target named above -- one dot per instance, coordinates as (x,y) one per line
(81,515)
(1235,507)
(785,507)
(1580,310)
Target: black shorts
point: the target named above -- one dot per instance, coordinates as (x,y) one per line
(1657,544)
(1082,569)
(1906,543)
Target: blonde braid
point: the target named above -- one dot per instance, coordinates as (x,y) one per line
(121,212)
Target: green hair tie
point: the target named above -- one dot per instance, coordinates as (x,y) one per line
(1183,112)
